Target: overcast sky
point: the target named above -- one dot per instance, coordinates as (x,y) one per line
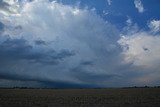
(79,43)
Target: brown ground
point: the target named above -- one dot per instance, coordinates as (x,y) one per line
(132,97)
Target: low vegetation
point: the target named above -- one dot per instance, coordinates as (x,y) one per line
(126,97)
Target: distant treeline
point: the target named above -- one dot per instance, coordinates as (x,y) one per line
(76,88)
(143,87)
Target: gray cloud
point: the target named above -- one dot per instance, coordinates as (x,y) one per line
(14,48)
(3,5)
(87,63)
(1,26)
(49,47)
(19,49)
(91,78)
(40,42)
(50,42)
(68,44)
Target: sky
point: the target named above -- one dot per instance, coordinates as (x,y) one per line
(79,43)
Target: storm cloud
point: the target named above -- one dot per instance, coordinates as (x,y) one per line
(43,42)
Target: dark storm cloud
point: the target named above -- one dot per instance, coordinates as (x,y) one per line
(87,63)
(51,57)
(18,27)
(89,77)
(8,75)
(1,27)
(43,83)
(3,4)
(40,42)
(19,49)
(32,56)
(145,49)
(58,84)
(63,54)
(14,49)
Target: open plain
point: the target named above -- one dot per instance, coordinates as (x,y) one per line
(125,97)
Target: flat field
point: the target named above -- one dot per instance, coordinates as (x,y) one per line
(131,97)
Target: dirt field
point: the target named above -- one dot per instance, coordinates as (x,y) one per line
(134,97)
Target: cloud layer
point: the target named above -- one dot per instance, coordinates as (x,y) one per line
(48,43)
